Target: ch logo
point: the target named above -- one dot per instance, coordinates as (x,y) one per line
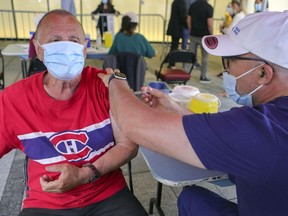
(72,145)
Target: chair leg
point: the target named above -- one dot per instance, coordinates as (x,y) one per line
(130,177)
(157,201)
(157,75)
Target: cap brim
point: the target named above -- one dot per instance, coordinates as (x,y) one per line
(222,45)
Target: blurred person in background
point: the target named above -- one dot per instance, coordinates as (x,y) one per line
(105,7)
(228,17)
(177,23)
(127,40)
(200,23)
(237,14)
(185,35)
(258,6)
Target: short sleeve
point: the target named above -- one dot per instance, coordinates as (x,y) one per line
(238,142)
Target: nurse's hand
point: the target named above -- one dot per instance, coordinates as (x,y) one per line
(105,77)
(161,101)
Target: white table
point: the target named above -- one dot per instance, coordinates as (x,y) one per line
(97,53)
(172,172)
(22,51)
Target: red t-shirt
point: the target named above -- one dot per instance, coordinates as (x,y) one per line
(75,131)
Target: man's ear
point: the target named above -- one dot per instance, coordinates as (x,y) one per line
(266,74)
(85,48)
(39,50)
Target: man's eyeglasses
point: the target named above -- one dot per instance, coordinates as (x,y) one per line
(227,59)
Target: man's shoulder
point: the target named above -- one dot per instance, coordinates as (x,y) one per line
(91,71)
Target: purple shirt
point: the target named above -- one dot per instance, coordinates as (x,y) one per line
(251,144)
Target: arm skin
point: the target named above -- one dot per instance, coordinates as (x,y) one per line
(162,102)
(148,127)
(72,176)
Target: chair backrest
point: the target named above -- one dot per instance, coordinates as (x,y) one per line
(131,64)
(35,66)
(179,56)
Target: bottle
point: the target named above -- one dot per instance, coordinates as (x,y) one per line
(98,39)
(108,39)
(87,36)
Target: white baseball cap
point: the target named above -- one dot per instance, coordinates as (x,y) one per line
(264,34)
(133,17)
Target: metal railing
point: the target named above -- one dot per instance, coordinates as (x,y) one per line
(17,25)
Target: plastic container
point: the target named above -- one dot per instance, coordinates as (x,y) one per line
(187,90)
(108,39)
(181,99)
(162,86)
(204,103)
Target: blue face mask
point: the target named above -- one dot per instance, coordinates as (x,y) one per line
(229,10)
(258,7)
(104,1)
(63,59)
(230,81)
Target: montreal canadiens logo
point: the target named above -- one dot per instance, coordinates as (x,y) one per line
(72,145)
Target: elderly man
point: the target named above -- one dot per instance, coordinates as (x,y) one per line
(60,119)
(249,142)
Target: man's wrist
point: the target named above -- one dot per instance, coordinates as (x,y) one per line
(117,75)
(96,173)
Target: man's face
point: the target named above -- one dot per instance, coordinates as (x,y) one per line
(59,28)
(238,67)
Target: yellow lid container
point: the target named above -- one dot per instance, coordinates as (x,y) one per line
(204,103)
(108,39)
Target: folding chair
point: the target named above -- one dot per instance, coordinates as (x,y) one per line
(35,66)
(175,75)
(134,66)
(131,64)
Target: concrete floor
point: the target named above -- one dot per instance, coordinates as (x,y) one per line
(11,165)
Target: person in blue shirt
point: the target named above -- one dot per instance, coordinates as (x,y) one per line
(127,40)
(249,142)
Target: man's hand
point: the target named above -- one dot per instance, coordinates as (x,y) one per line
(70,177)
(105,77)
(161,101)
(158,100)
